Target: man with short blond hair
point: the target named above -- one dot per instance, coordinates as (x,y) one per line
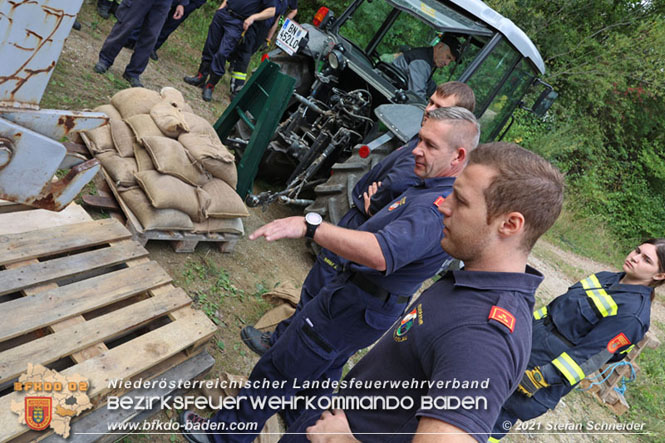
(373,272)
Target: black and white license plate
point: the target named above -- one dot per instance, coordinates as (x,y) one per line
(289,36)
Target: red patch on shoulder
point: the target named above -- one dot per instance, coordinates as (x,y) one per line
(439,201)
(617,342)
(502,316)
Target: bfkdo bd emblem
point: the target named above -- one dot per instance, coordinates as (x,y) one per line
(38,412)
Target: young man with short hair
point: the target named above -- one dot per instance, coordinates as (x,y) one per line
(463,346)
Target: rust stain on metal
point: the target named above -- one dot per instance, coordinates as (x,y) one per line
(16,45)
(53,190)
(67,122)
(24,2)
(31,32)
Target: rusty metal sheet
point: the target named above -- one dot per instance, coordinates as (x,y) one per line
(29,162)
(53,123)
(32,34)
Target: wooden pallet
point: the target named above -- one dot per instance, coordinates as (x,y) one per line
(182,241)
(605,392)
(81,296)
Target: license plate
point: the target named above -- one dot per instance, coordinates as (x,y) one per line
(289,36)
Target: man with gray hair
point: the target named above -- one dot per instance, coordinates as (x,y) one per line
(373,272)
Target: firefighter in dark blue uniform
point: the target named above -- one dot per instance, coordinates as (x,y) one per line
(150,15)
(254,39)
(377,269)
(467,338)
(595,322)
(231,20)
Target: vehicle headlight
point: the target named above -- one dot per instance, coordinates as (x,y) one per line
(336,60)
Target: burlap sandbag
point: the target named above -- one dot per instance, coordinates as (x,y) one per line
(144,126)
(224,201)
(169,119)
(143,160)
(284,292)
(151,218)
(169,157)
(273,317)
(199,125)
(173,96)
(123,137)
(168,192)
(109,110)
(133,101)
(120,169)
(210,154)
(98,140)
(223,225)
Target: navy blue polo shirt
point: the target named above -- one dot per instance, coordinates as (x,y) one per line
(396,174)
(409,231)
(245,8)
(574,317)
(450,345)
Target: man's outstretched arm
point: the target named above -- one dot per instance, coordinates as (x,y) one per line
(357,246)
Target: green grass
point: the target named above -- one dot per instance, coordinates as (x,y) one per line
(586,237)
(645,395)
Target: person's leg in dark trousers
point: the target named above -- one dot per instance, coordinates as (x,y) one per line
(231,32)
(131,14)
(146,42)
(213,39)
(172,24)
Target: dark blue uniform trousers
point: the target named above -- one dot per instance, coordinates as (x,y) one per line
(132,13)
(546,347)
(171,24)
(223,36)
(330,328)
(240,58)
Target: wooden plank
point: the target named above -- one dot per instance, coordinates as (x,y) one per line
(43,272)
(45,308)
(59,239)
(90,428)
(123,361)
(33,219)
(73,339)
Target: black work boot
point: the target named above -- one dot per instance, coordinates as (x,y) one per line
(236,86)
(191,425)
(104,8)
(257,341)
(210,86)
(135,82)
(200,78)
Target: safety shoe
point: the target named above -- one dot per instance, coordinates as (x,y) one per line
(207,92)
(196,80)
(135,82)
(257,341)
(100,68)
(104,11)
(153,55)
(192,427)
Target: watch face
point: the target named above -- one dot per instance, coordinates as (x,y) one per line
(313,218)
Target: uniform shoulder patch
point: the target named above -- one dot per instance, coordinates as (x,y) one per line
(439,201)
(502,316)
(617,342)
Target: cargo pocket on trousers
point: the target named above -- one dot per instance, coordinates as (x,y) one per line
(306,353)
(380,320)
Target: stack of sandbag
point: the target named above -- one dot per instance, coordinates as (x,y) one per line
(284,298)
(167,163)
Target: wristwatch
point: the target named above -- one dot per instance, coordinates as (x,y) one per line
(312,220)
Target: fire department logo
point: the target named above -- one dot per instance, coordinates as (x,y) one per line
(617,342)
(397,204)
(407,323)
(38,412)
